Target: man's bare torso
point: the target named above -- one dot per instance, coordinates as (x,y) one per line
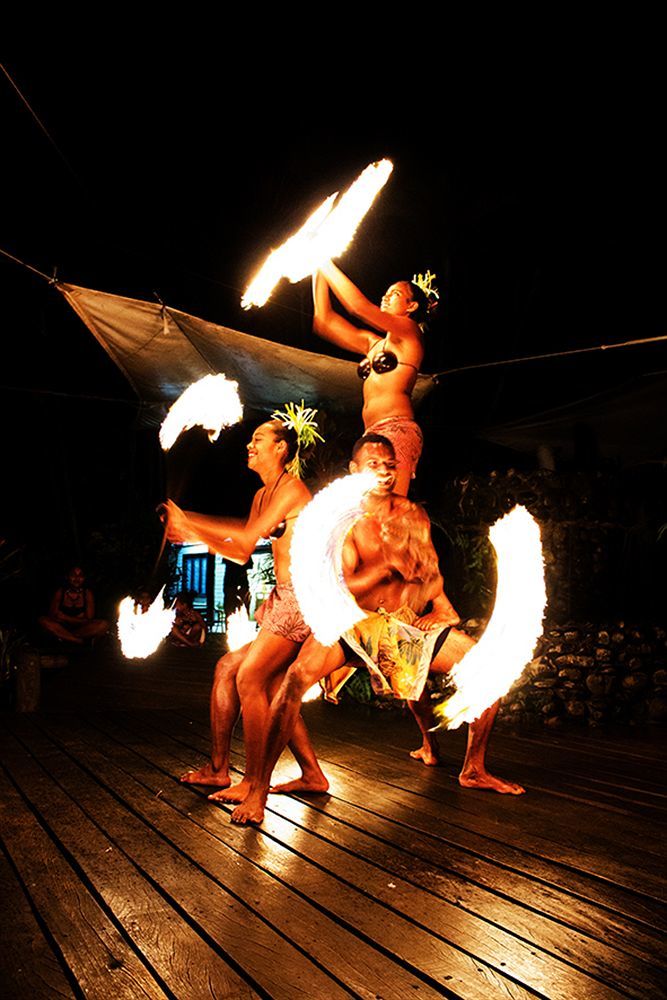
(394,533)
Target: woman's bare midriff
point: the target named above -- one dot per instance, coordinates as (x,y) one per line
(281,553)
(382,400)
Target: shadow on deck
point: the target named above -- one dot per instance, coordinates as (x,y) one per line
(117,881)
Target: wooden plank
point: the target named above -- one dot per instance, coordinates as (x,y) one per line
(28,965)
(451,969)
(595,957)
(100,959)
(456,832)
(530,758)
(223,919)
(351,960)
(526,962)
(575,838)
(184,962)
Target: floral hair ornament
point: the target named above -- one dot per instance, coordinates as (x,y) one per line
(301,419)
(427,284)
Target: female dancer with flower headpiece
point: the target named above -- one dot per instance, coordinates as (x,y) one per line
(393,351)
(244,678)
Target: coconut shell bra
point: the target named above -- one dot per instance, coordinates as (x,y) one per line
(380,363)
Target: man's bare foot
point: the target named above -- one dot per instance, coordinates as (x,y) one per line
(207,775)
(427,755)
(250,811)
(482,779)
(237,792)
(316,783)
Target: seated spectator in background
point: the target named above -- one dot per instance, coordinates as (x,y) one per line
(71,616)
(189,628)
(143,600)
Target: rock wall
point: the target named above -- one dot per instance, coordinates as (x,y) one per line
(603,655)
(593,675)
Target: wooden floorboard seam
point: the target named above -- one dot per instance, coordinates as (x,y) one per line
(476,958)
(562,865)
(573,964)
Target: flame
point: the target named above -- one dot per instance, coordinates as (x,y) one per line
(339,228)
(313,693)
(286,257)
(141,634)
(212,402)
(489,669)
(240,630)
(325,234)
(316,556)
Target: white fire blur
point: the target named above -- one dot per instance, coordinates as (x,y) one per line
(240,630)
(317,556)
(212,402)
(490,668)
(284,259)
(326,234)
(141,634)
(313,693)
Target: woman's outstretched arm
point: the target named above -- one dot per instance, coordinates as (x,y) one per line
(332,326)
(358,305)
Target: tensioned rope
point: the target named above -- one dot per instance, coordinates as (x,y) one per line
(552,354)
(448,371)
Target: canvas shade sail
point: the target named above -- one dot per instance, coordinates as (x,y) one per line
(162,351)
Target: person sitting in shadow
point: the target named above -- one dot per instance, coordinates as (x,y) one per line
(71,617)
(143,601)
(189,628)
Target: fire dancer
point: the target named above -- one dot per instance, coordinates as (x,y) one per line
(243,678)
(391,568)
(391,359)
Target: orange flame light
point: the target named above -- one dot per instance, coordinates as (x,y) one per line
(212,402)
(490,668)
(141,634)
(317,556)
(240,630)
(326,233)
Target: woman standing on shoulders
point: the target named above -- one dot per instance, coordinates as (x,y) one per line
(392,353)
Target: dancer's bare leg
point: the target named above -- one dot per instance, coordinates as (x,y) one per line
(473,773)
(313,662)
(60,631)
(224,711)
(92,628)
(429,752)
(268,655)
(312,778)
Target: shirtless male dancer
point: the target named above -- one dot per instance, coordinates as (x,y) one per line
(391,568)
(244,678)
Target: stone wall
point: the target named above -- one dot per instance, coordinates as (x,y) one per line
(605,570)
(593,675)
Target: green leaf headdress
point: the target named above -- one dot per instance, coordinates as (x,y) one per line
(427,284)
(300,418)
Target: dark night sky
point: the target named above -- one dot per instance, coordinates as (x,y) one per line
(543,215)
(543,221)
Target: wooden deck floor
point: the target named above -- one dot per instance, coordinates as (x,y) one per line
(117,881)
